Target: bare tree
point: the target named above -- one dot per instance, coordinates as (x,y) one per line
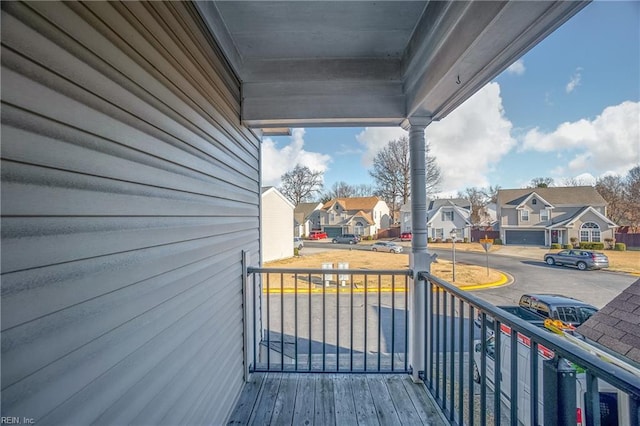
(340,190)
(612,189)
(364,190)
(632,183)
(392,173)
(301,184)
(492,193)
(574,182)
(478,199)
(541,182)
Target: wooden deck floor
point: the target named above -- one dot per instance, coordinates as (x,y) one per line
(334,399)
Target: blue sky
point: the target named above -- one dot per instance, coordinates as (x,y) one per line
(569,108)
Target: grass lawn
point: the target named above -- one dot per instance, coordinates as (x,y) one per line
(360,259)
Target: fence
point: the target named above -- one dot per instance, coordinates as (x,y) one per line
(631,240)
(330,320)
(515,373)
(477,234)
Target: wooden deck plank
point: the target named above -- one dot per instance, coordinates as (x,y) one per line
(304,400)
(247,402)
(407,412)
(343,400)
(324,401)
(266,400)
(386,411)
(365,409)
(421,402)
(285,401)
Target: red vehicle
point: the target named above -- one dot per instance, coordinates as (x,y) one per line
(317,235)
(406,236)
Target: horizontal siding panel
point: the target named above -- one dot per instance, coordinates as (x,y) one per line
(129,191)
(31,294)
(31,346)
(55,240)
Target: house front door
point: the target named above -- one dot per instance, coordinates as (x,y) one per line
(554,236)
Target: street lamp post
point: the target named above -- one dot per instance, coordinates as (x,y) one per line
(453,239)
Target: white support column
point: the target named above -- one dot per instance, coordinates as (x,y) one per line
(419,260)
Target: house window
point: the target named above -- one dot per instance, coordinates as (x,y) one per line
(438,233)
(544,215)
(534,201)
(524,215)
(359,228)
(447,216)
(590,232)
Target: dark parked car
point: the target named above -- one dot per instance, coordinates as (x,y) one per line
(581,259)
(346,238)
(555,306)
(386,246)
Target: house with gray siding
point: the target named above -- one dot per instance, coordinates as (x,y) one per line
(303,218)
(444,216)
(363,216)
(131,146)
(543,216)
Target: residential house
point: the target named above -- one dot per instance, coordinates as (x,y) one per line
(276,233)
(357,215)
(617,325)
(303,222)
(444,216)
(131,146)
(542,216)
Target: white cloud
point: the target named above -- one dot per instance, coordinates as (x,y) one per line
(374,139)
(467,143)
(277,161)
(574,81)
(610,142)
(517,68)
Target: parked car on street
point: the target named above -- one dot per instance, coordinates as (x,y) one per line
(558,307)
(317,235)
(298,243)
(581,259)
(346,239)
(406,236)
(387,246)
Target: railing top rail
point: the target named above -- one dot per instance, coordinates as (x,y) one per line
(611,373)
(406,272)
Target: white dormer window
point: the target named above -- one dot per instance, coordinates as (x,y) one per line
(447,216)
(524,215)
(534,201)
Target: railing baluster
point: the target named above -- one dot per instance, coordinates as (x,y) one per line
(351,327)
(444,353)
(533,373)
(268,326)
(281,322)
(483,369)
(324,326)
(513,386)
(255,322)
(379,318)
(472,365)
(437,342)
(406,323)
(460,361)
(366,290)
(295,315)
(393,322)
(337,327)
(497,356)
(309,297)
(451,361)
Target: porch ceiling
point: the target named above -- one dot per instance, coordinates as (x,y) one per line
(354,63)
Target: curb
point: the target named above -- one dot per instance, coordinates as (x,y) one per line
(504,280)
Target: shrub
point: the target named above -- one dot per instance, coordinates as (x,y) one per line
(585,245)
(610,242)
(466,240)
(368,238)
(620,247)
(567,246)
(555,246)
(597,246)
(574,241)
(296,252)
(497,241)
(429,240)
(448,240)
(438,240)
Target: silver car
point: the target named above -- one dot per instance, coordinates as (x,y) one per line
(298,243)
(387,246)
(581,259)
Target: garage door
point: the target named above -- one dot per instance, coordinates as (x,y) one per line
(533,238)
(333,231)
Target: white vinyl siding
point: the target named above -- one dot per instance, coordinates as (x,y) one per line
(276,224)
(129,191)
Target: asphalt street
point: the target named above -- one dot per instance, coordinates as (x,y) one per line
(529,276)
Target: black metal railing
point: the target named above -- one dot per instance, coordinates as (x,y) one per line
(329,320)
(484,365)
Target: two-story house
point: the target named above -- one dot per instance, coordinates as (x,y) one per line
(444,216)
(302,218)
(357,215)
(542,216)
